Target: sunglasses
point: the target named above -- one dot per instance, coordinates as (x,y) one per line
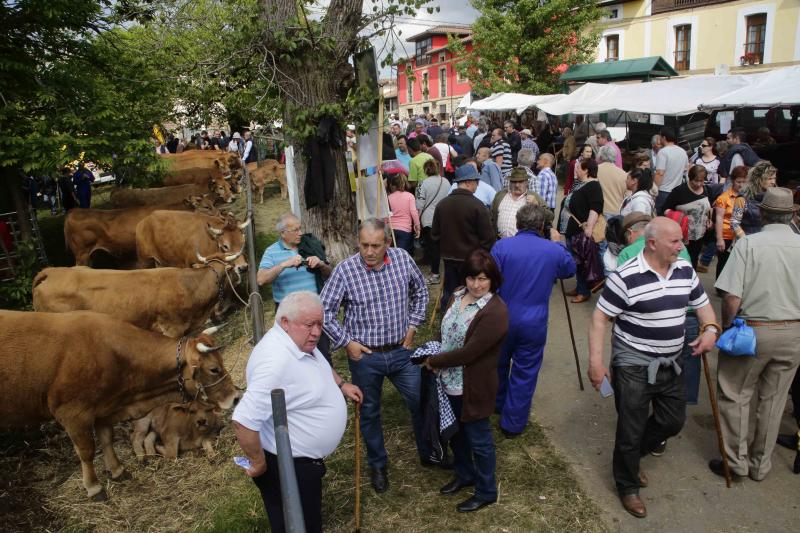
(704,145)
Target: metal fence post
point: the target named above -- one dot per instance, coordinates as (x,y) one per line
(256,305)
(290,494)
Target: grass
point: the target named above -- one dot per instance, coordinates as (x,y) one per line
(41,488)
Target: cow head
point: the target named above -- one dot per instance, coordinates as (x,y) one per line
(230,241)
(202,204)
(221,189)
(204,373)
(205,418)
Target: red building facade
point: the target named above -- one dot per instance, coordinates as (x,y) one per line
(435,86)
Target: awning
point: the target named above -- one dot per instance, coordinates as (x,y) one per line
(644,68)
(679,96)
(465,101)
(779,87)
(513,102)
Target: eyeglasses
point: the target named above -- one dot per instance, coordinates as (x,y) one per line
(704,145)
(291,230)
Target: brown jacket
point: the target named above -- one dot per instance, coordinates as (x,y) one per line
(461,223)
(478,356)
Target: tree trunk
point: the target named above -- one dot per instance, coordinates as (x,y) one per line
(324,76)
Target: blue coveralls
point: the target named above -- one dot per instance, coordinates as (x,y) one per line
(529,265)
(83,179)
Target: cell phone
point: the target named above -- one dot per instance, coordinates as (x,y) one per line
(606,389)
(243,462)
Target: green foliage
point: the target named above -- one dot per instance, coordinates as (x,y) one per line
(524,45)
(17,293)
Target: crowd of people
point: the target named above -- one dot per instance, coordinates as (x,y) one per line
(639,236)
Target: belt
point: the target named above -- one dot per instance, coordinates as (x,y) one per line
(297,460)
(768,323)
(385,347)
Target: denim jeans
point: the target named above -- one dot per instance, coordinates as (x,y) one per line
(660,199)
(709,250)
(474,453)
(639,432)
(404,240)
(691,364)
(368,374)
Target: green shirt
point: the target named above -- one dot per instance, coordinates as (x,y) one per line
(416,170)
(633,249)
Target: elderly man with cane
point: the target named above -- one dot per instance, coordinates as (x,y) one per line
(287,357)
(530,262)
(648,296)
(761,286)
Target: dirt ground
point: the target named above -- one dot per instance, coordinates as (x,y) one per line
(683,495)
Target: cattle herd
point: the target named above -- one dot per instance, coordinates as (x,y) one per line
(108,345)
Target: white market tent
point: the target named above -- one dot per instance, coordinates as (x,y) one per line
(769,89)
(677,96)
(513,102)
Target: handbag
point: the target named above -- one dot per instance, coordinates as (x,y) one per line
(599,230)
(739,339)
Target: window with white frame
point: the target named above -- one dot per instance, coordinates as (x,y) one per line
(683,39)
(755,38)
(612,47)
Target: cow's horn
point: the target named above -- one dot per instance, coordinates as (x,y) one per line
(200,257)
(235,256)
(214,231)
(202,348)
(226,177)
(244,224)
(211,330)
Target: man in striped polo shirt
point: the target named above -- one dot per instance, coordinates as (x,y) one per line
(648,296)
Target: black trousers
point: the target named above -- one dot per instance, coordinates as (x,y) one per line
(452,280)
(309,474)
(722,257)
(431,250)
(795,390)
(638,431)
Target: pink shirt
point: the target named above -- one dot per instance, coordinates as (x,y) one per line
(403,206)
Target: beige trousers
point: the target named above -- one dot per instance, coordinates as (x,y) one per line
(769,375)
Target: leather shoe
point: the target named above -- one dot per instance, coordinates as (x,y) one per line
(472,504)
(380,479)
(643,481)
(446,463)
(580,298)
(455,486)
(634,505)
(510,434)
(717,466)
(787,441)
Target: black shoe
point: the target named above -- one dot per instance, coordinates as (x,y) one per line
(380,479)
(788,441)
(455,486)
(716,466)
(446,463)
(659,449)
(472,504)
(510,434)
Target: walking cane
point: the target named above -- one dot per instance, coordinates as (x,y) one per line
(358,467)
(713,397)
(437,302)
(572,334)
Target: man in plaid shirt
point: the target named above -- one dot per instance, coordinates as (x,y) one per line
(548,183)
(385,297)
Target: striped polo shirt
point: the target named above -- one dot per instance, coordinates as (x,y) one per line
(290,279)
(650,310)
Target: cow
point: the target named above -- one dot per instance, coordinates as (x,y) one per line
(89,371)
(180,427)
(174,238)
(110,230)
(269,171)
(171,301)
(219,190)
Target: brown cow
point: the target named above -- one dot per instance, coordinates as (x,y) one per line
(111,230)
(171,301)
(89,371)
(271,170)
(219,188)
(173,238)
(180,427)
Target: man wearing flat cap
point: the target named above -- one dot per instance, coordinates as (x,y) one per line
(507,203)
(762,288)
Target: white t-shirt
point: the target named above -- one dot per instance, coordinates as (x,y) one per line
(445,150)
(315,407)
(672,160)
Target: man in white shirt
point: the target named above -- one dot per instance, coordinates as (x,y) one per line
(671,163)
(287,358)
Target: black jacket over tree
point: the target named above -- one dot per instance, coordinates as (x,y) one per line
(321,168)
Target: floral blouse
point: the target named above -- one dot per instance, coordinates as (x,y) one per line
(454,331)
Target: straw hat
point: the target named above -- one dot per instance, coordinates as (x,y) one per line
(778,200)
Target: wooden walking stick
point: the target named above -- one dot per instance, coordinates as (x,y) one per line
(438,301)
(358,467)
(572,334)
(713,397)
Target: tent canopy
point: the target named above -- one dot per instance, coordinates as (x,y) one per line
(769,89)
(644,68)
(513,102)
(679,96)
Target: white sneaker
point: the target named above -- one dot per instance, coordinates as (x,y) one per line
(434,279)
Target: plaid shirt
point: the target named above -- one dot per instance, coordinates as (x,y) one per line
(548,184)
(379,304)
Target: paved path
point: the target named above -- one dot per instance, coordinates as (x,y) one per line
(683,496)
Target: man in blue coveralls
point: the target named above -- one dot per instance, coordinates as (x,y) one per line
(530,264)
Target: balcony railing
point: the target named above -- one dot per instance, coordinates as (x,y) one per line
(421,61)
(662,6)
